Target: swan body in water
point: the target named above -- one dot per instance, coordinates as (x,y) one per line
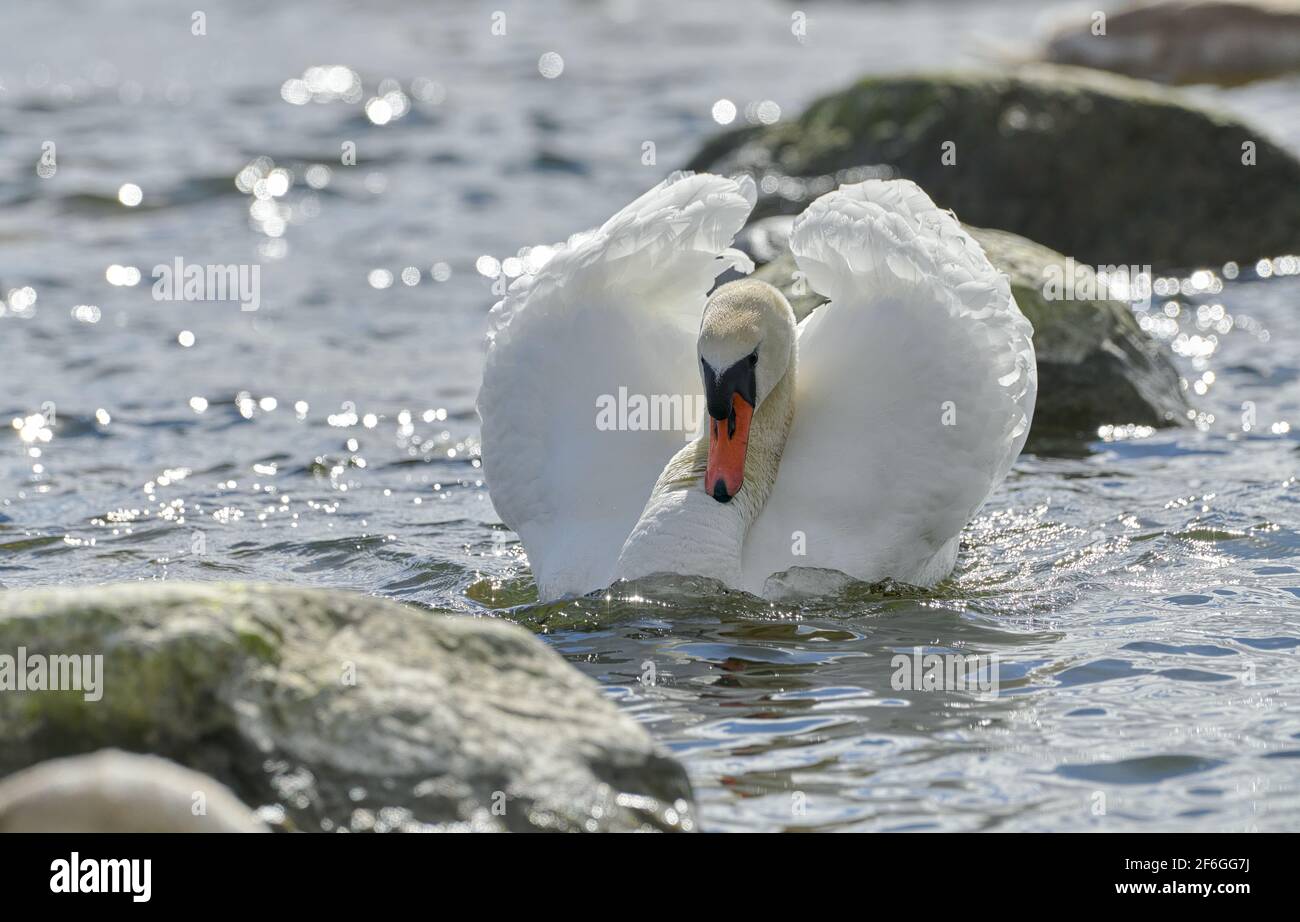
(854,444)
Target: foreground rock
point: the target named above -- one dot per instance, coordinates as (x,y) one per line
(1095,364)
(1109,170)
(1186,41)
(340,710)
(115,791)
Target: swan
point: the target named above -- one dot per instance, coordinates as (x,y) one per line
(854,444)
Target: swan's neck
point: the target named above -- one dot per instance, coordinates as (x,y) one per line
(686,531)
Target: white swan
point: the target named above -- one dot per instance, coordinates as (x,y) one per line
(858,442)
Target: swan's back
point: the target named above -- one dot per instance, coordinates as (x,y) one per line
(916,387)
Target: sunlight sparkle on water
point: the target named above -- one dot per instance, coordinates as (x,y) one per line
(550,65)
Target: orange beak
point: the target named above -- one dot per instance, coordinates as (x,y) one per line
(728,439)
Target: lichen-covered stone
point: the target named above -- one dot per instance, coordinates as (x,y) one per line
(339,710)
(1097,166)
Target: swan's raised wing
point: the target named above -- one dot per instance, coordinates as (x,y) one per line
(591,381)
(915,391)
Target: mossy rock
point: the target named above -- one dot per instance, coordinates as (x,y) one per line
(345,711)
(1107,169)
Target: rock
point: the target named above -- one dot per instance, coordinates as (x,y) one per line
(1107,169)
(114,791)
(1095,364)
(338,710)
(1186,41)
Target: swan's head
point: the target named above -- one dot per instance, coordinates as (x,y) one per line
(746,340)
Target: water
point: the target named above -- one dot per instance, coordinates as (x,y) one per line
(1142,594)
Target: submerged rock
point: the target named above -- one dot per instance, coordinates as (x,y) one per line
(1108,169)
(1185,41)
(114,791)
(338,710)
(1095,364)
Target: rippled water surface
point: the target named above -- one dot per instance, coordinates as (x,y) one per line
(1142,593)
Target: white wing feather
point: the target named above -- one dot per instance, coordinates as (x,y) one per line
(915,391)
(616,307)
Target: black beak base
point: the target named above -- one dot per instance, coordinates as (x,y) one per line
(740,378)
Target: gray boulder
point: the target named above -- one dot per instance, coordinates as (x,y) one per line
(1095,364)
(1106,169)
(1185,41)
(333,710)
(114,791)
